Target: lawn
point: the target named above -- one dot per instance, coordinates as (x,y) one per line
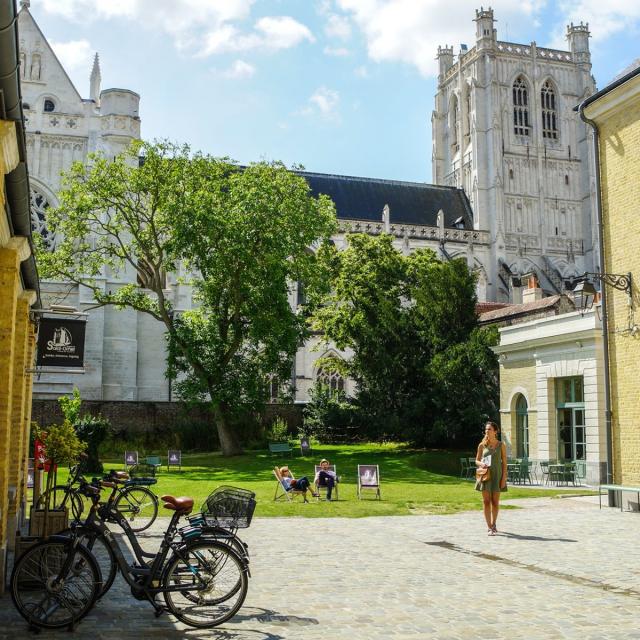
(418,482)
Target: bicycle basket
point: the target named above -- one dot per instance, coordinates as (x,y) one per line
(142,470)
(229,508)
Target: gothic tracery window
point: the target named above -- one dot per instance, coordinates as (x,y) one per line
(331,379)
(453,121)
(549,112)
(521,125)
(39,206)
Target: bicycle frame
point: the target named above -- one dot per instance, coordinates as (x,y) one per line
(144,580)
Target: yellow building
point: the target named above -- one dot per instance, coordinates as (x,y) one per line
(614,113)
(19,291)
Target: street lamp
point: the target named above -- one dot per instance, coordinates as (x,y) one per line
(584,292)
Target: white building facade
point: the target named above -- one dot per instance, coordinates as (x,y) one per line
(552,391)
(505,131)
(63,127)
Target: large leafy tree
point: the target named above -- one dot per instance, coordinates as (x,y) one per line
(238,235)
(424,371)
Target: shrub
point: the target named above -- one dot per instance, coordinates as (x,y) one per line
(279,430)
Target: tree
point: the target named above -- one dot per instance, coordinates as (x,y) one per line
(412,326)
(240,234)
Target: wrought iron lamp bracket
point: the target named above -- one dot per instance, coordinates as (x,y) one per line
(621,282)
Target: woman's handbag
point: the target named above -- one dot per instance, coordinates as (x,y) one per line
(483,475)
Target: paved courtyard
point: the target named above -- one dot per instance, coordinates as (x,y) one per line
(558,569)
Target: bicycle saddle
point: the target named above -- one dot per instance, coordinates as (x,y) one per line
(183,504)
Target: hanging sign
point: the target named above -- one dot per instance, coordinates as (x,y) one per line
(61,343)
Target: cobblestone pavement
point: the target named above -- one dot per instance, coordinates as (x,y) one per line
(559,568)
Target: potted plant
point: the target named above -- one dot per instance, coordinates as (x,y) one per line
(61,445)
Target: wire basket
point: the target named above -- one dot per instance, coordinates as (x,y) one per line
(142,470)
(229,508)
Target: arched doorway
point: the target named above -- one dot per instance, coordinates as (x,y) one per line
(522,427)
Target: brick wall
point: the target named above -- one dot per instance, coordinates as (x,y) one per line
(620,184)
(147,418)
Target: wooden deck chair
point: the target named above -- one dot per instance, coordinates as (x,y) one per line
(281,491)
(321,485)
(368,478)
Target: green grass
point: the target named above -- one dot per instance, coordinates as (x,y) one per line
(412,482)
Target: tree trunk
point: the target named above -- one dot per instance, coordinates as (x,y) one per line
(229,442)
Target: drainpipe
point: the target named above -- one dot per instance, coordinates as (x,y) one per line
(603,293)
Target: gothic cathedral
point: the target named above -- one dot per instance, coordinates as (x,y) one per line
(504,129)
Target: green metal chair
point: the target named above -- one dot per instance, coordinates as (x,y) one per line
(525,470)
(581,471)
(544,470)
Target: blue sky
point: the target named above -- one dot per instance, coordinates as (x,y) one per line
(339,86)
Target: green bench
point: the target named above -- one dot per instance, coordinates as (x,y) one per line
(154,461)
(618,488)
(279,447)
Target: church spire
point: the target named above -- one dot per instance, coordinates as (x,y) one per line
(94,91)
(25,4)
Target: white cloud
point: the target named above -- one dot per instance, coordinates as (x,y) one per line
(361,71)
(323,101)
(197,27)
(74,54)
(410,31)
(240,70)
(271,33)
(283,32)
(338,27)
(605,18)
(336,51)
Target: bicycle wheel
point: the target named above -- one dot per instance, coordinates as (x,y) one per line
(139,506)
(45,594)
(101,551)
(205,584)
(61,496)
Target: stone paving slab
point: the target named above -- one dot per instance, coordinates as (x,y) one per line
(557,569)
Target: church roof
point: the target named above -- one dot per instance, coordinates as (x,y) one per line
(409,202)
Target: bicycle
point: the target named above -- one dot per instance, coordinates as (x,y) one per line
(234,510)
(203,582)
(134,499)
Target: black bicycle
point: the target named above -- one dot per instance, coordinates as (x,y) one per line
(134,499)
(203,581)
(224,511)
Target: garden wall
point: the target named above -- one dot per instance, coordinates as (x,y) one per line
(145,419)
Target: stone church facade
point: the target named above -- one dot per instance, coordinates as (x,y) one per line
(532,220)
(505,130)
(125,352)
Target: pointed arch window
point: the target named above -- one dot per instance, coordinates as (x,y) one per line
(331,379)
(453,121)
(39,206)
(521,125)
(467,113)
(549,112)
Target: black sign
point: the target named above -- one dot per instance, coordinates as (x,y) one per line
(61,343)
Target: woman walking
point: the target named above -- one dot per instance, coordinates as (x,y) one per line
(492,455)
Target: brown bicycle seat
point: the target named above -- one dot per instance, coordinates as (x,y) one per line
(121,475)
(183,504)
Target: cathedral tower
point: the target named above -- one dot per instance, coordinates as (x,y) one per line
(504,129)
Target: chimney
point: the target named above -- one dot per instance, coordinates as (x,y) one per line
(533,291)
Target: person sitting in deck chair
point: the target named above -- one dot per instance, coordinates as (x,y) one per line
(325,478)
(299,484)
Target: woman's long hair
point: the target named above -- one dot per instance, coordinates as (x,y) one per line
(495,427)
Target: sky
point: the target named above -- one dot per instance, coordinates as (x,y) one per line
(336,86)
